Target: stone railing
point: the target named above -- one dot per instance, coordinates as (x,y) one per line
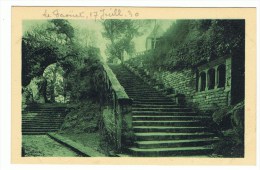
(116,108)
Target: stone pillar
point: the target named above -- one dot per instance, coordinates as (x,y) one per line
(199,85)
(228,80)
(207,80)
(228,73)
(216,77)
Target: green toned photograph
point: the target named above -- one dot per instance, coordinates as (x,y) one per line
(133,88)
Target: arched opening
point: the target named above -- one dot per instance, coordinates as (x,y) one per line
(202,81)
(55,83)
(211,79)
(221,75)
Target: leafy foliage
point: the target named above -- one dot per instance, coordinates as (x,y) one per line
(231,143)
(190,42)
(45,45)
(57,42)
(120,33)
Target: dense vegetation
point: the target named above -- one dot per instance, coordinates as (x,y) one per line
(190,42)
(56,42)
(63,62)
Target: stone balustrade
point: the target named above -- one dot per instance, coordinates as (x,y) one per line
(116,109)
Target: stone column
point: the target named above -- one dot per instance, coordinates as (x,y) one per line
(207,80)
(228,73)
(199,85)
(228,80)
(216,77)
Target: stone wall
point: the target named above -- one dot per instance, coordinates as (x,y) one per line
(207,100)
(186,82)
(183,82)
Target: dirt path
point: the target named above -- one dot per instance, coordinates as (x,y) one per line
(42,145)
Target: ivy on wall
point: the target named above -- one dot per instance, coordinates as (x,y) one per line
(188,43)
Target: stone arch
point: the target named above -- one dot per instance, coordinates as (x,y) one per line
(221,70)
(55,91)
(211,78)
(202,82)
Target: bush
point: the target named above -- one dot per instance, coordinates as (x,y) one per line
(231,122)
(222,117)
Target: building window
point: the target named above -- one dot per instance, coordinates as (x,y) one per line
(221,75)
(202,81)
(211,79)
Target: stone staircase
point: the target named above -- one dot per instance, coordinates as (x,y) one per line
(42,118)
(161,127)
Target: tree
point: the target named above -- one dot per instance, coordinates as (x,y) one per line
(63,50)
(120,33)
(45,45)
(191,42)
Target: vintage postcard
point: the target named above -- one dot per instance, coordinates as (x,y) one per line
(134,85)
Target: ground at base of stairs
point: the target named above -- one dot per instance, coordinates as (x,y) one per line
(91,140)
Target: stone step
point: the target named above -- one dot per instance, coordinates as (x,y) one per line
(161,113)
(45,109)
(41,119)
(51,115)
(166,123)
(40,125)
(39,122)
(145,96)
(142,92)
(178,151)
(137,117)
(171,136)
(137,105)
(36,133)
(161,109)
(148,98)
(180,129)
(134,84)
(165,114)
(39,130)
(153,102)
(137,90)
(37,126)
(45,112)
(175,143)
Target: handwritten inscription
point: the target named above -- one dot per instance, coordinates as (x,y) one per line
(95,14)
